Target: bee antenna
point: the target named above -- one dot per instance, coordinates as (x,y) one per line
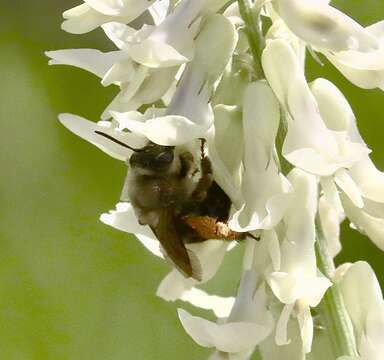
(109,137)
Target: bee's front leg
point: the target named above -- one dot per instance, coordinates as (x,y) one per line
(205,182)
(187,164)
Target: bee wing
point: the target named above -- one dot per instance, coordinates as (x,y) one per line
(172,243)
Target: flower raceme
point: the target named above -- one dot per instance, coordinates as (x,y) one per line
(288,154)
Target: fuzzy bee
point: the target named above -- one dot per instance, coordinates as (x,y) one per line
(160,187)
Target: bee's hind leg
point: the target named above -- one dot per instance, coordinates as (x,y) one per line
(209,228)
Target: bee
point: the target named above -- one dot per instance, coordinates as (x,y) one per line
(160,186)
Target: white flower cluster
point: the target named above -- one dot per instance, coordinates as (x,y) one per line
(288,154)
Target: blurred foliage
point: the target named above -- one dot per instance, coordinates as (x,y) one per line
(71,287)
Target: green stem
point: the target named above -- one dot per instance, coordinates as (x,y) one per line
(332,307)
(254,34)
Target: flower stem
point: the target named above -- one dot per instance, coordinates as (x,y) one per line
(332,308)
(254,33)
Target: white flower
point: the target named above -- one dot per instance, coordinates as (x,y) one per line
(124,219)
(248,324)
(364,302)
(189,115)
(294,350)
(266,190)
(279,30)
(225,154)
(171,42)
(323,26)
(250,320)
(221,306)
(87,130)
(309,144)
(160,9)
(362,186)
(296,282)
(93,13)
(330,219)
(185,70)
(139,84)
(148,59)
(356,51)
(92,60)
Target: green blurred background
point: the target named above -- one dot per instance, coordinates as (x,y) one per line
(70,287)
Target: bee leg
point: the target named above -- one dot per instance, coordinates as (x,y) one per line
(202,147)
(205,182)
(251,236)
(209,228)
(186,160)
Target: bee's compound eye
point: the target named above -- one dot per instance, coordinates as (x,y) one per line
(165,157)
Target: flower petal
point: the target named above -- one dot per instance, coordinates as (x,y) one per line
(122,35)
(86,130)
(156,54)
(159,11)
(144,88)
(371,345)
(333,106)
(108,7)
(346,183)
(168,130)
(281,336)
(323,26)
(174,285)
(306,328)
(267,199)
(293,350)
(309,144)
(171,43)
(92,60)
(210,254)
(82,19)
(123,218)
(120,72)
(228,126)
(361,293)
(128,8)
(231,337)
(331,193)
(359,76)
(221,306)
(330,220)
(373,227)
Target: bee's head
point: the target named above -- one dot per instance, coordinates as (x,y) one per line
(153,157)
